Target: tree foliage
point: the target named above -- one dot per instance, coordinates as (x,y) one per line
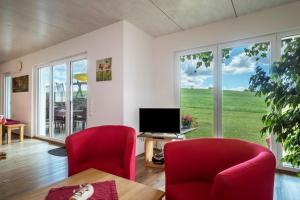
(203,58)
(281,89)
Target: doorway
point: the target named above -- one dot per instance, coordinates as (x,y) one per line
(62,98)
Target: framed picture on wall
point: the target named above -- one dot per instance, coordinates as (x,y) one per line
(103,70)
(20,84)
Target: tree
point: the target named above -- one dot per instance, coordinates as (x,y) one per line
(281,89)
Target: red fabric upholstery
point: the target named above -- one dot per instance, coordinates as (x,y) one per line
(11,122)
(192,190)
(5,121)
(107,148)
(218,169)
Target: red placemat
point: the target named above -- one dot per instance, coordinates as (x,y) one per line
(102,191)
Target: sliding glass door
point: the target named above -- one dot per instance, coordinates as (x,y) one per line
(62,98)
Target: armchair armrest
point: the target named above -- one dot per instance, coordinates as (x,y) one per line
(73,158)
(253,179)
(129,154)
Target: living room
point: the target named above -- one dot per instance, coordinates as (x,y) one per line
(70,69)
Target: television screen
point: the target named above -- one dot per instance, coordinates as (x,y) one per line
(160,120)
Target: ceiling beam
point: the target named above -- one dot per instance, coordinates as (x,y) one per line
(235,13)
(166,14)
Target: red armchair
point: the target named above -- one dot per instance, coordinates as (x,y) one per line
(218,169)
(107,148)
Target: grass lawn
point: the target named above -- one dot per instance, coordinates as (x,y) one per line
(242,113)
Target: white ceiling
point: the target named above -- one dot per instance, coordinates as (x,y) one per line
(29,25)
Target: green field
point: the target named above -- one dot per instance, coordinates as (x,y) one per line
(241,113)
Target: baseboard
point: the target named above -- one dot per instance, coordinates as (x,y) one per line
(140,155)
(287,172)
(56,143)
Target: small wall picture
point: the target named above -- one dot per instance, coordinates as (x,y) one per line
(20,84)
(104,71)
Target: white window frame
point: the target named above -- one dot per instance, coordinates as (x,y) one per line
(6,102)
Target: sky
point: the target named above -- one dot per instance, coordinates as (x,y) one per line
(236,71)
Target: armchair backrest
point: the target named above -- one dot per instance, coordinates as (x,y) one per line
(99,141)
(203,159)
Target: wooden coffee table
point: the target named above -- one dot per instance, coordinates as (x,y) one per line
(127,190)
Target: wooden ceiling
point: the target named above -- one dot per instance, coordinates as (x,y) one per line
(29,25)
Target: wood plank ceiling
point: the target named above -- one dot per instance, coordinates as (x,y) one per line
(29,25)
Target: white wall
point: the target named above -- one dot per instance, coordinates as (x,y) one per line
(105,104)
(112,102)
(265,22)
(138,75)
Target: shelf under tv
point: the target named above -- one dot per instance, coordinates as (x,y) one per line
(180,135)
(150,138)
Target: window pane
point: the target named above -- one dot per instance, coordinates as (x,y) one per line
(59,100)
(79,95)
(197,102)
(242,110)
(284,42)
(44,101)
(7,95)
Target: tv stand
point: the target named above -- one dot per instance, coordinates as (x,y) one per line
(150,138)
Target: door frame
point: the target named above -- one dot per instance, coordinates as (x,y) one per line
(68,126)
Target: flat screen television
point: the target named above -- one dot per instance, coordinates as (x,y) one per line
(160,120)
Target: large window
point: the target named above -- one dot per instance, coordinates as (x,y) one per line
(214,90)
(62,98)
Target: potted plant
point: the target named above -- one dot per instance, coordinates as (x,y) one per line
(186,121)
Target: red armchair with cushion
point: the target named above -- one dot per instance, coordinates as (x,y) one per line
(107,148)
(218,169)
